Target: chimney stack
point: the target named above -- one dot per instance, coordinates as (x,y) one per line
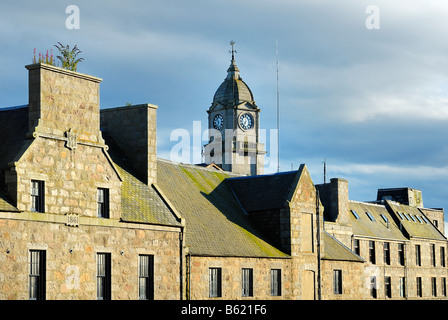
(61,101)
(334,197)
(134,130)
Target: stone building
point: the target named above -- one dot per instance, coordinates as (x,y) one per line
(402,244)
(75,223)
(88,211)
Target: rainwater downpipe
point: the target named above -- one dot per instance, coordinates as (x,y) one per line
(189,277)
(181,268)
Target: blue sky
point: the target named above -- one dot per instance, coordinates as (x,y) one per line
(372,102)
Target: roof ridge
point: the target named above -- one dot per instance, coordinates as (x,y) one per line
(265,175)
(195,166)
(367,203)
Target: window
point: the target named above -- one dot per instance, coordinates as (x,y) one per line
(146,277)
(424,219)
(103,284)
(418,255)
(434,286)
(370,216)
(37,196)
(386,253)
(103,203)
(247,282)
(419,287)
(384,218)
(373,292)
(215,282)
(37,274)
(337,281)
(436,223)
(419,219)
(276,282)
(402,287)
(442,256)
(355,214)
(387,287)
(401,216)
(444,286)
(401,254)
(372,258)
(433,255)
(412,217)
(356,247)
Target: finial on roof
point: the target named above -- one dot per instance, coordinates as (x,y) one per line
(233,72)
(232,43)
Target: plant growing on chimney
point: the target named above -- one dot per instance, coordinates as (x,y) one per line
(47,58)
(68,57)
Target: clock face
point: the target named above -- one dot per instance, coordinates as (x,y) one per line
(246,121)
(218,122)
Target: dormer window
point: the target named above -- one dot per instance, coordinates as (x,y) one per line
(103,203)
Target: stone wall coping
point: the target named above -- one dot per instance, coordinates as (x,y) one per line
(63,71)
(83,221)
(134,106)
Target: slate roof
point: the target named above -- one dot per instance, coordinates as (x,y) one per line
(399,228)
(410,222)
(13,130)
(139,202)
(5,205)
(142,203)
(378,228)
(216,225)
(263,192)
(335,250)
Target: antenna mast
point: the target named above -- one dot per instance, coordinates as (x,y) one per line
(325,170)
(278,115)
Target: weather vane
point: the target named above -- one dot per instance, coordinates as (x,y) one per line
(232,43)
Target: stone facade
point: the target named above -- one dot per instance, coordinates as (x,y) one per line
(208,233)
(198,282)
(64,151)
(403,249)
(354,285)
(71,253)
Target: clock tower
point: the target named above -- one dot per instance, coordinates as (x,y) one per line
(234,123)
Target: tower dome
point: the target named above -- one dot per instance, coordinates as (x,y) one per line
(234,127)
(233,90)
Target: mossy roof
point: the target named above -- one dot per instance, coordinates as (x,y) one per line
(399,226)
(378,228)
(216,224)
(415,226)
(335,250)
(5,204)
(142,203)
